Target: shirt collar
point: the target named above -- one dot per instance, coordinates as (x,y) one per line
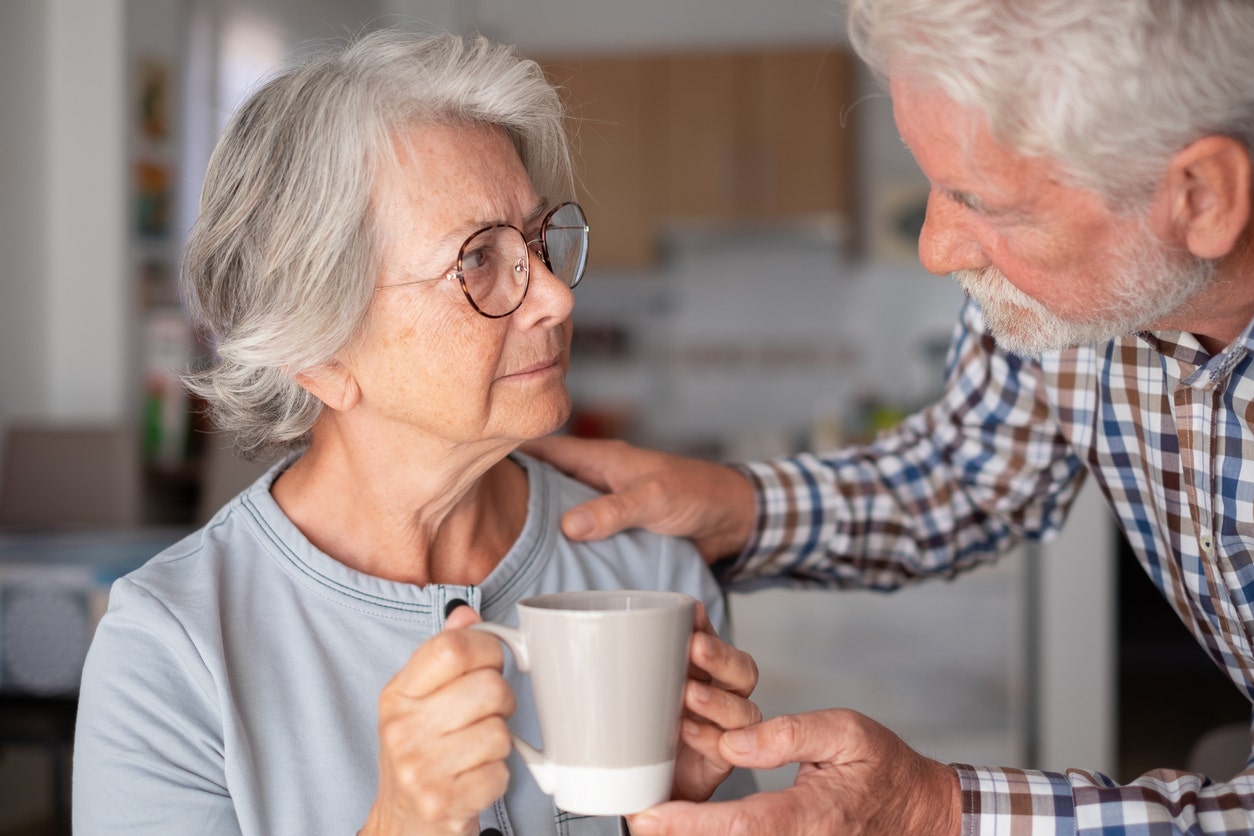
(1184,348)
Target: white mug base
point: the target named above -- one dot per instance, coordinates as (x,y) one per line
(597,791)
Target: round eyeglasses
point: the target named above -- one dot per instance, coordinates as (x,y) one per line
(494,264)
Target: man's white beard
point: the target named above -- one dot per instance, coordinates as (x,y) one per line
(1151,283)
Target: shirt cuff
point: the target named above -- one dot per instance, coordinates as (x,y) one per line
(725,568)
(1019,801)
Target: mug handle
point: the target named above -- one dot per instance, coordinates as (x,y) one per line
(541,769)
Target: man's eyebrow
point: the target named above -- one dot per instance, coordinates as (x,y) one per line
(965,199)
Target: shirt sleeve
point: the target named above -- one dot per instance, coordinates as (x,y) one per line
(148,752)
(1078,802)
(951,487)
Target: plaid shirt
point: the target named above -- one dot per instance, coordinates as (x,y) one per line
(1167,432)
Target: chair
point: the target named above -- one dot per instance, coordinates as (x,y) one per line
(56,475)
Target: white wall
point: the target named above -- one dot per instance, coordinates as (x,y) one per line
(89,301)
(553,26)
(63,344)
(24,55)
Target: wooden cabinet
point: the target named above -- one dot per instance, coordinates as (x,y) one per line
(743,137)
(756,136)
(800,132)
(703,155)
(612,137)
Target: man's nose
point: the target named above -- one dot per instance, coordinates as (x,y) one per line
(946,242)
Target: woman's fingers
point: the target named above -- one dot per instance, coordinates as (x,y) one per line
(725,666)
(724,709)
(461,703)
(443,739)
(444,658)
(472,747)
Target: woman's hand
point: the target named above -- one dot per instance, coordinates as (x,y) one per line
(716,699)
(442,735)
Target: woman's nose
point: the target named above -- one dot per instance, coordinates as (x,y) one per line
(946,242)
(548,297)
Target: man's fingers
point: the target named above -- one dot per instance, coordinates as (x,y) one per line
(601,517)
(703,739)
(577,457)
(816,737)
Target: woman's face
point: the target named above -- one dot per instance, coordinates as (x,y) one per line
(427,362)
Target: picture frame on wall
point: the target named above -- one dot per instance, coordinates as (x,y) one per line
(152,98)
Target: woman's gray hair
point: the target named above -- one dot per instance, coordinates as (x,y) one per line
(280,267)
(1109,90)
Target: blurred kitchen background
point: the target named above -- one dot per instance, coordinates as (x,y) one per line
(753,291)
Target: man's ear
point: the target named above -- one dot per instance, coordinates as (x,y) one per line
(1208,194)
(333,384)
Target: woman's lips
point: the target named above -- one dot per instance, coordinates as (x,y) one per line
(543,365)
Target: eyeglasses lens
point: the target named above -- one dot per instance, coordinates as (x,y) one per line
(566,243)
(494,269)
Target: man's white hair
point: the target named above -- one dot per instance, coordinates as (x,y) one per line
(1109,90)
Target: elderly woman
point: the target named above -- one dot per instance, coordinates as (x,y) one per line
(384,261)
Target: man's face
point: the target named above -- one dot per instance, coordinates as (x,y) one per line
(1050,264)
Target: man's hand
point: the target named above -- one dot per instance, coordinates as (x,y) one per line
(855,777)
(713,505)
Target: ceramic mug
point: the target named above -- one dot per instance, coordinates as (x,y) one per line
(608,670)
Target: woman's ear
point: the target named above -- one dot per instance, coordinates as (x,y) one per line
(333,384)
(1208,194)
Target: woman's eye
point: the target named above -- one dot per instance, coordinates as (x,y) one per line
(476,259)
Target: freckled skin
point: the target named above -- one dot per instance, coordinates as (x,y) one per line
(423,408)
(428,359)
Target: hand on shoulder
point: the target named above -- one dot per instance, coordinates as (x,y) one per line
(712,504)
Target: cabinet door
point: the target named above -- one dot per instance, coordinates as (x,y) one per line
(703,115)
(608,102)
(708,138)
(800,133)
(757,136)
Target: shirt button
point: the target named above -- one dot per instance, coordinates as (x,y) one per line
(491,831)
(1207,543)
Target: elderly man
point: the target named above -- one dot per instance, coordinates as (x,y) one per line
(1091,190)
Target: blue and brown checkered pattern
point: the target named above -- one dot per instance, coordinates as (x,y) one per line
(1166,431)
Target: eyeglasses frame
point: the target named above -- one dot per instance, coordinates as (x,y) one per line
(542,252)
